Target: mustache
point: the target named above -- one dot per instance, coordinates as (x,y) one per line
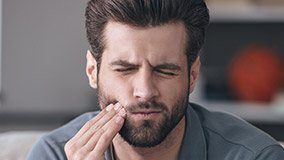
(146,105)
(138,106)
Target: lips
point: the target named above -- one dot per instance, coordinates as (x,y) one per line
(145,114)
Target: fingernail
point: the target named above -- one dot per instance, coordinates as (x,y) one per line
(119,120)
(109,107)
(122,112)
(117,106)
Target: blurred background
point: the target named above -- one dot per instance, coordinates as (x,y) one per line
(43,83)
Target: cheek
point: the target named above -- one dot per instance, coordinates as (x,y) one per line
(115,88)
(173,91)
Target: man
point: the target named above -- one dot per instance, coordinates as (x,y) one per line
(144,62)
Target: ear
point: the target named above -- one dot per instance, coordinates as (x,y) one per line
(194,73)
(91,69)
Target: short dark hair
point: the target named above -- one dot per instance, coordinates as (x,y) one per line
(147,13)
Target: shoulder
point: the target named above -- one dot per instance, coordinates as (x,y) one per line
(51,145)
(232,133)
(69,130)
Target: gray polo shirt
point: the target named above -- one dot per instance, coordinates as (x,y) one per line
(208,135)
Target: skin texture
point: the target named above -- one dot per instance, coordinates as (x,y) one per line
(144,76)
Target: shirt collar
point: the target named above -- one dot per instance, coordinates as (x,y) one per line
(193,144)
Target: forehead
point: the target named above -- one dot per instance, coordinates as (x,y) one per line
(135,44)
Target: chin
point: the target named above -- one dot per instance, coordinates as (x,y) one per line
(146,133)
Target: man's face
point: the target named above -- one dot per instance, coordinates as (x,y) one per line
(145,69)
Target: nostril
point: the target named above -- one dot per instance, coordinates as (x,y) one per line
(144,87)
(145,95)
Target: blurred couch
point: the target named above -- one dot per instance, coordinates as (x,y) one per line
(16,145)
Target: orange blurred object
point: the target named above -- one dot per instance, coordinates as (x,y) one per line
(255,74)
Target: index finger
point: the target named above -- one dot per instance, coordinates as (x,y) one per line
(91,122)
(108,133)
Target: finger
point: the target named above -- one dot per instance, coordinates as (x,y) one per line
(73,142)
(81,141)
(112,125)
(90,145)
(91,122)
(110,131)
(111,128)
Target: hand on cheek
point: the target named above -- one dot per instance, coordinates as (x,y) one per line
(96,135)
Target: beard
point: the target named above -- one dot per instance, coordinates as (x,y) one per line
(149,133)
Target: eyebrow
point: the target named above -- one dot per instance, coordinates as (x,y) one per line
(123,63)
(169,66)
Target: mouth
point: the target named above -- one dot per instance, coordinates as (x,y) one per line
(145,114)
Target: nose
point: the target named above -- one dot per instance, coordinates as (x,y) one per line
(144,86)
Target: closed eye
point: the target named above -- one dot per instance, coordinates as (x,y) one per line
(166,72)
(124,69)
(168,69)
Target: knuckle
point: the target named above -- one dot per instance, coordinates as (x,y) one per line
(69,152)
(70,148)
(67,147)
(68,144)
(88,124)
(102,130)
(109,132)
(95,127)
(104,138)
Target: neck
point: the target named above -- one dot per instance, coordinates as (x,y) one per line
(167,150)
